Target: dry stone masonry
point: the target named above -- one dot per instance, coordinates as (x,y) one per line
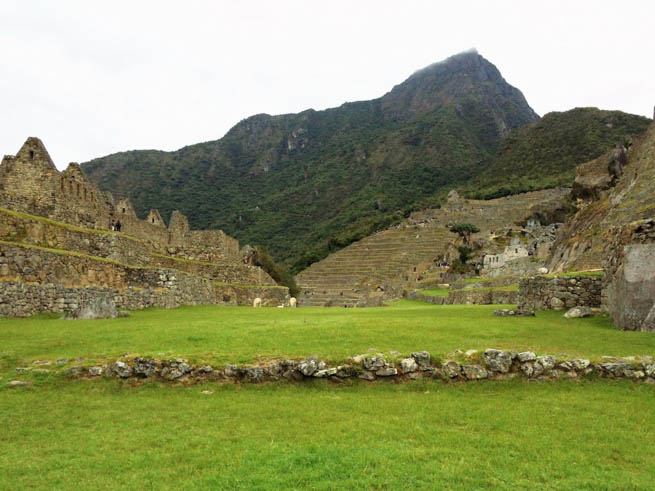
(64,243)
(541,292)
(492,364)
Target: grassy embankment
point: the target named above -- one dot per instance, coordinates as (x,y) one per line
(104,434)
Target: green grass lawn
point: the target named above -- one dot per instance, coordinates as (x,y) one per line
(221,335)
(423,435)
(435,292)
(99,434)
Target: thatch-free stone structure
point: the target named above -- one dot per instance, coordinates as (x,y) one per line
(63,242)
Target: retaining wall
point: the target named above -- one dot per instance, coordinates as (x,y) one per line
(541,293)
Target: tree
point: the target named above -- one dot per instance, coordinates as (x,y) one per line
(465,253)
(464,230)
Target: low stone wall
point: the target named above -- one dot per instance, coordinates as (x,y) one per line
(492,364)
(419,297)
(541,293)
(23,299)
(235,294)
(471,296)
(482,296)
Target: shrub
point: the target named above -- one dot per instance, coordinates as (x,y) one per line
(280,274)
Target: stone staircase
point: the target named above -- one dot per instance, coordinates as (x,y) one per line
(353,275)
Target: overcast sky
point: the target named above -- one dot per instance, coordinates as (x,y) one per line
(92,78)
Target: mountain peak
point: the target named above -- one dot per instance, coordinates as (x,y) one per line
(462,79)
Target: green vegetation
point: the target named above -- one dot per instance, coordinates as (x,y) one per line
(464,230)
(435,292)
(545,154)
(304,185)
(221,335)
(103,435)
(280,274)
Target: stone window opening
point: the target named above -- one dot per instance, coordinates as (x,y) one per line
(31,154)
(123,210)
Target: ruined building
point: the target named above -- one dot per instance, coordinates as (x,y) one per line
(62,241)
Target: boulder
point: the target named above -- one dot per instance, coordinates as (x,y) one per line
(526,356)
(386,371)
(546,362)
(422,359)
(254,374)
(578,312)
(580,364)
(630,298)
(451,369)
(309,366)
(557,304)
(374,363)
(95,308)
(474,372)
(122,369)
(143,367)
(498,360)
(408,365)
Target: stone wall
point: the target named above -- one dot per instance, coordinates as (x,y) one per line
(222,272)
(235,294)
(629,263)
(47,267)
(540,292)
(36,231)
(22,299)
(472,296)
(492,364)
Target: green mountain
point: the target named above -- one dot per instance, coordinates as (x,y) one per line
(544,154)
(304,185)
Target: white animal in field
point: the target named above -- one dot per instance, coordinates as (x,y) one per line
(542,270)
(257,302)
(280,306)
(292,302)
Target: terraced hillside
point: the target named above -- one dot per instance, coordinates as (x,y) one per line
(348,276)
(379,266)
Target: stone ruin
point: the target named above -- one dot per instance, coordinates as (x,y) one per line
(63,242)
